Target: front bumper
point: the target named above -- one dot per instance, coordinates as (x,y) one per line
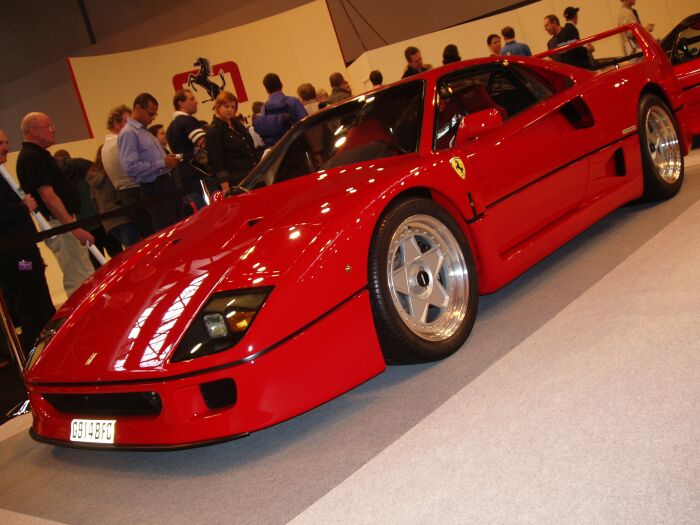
(336,353)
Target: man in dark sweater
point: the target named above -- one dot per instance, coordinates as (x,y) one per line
(414,63)
(562,36)
(22,276)
(184,134)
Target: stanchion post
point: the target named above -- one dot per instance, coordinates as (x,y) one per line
(8,329)
(11,336)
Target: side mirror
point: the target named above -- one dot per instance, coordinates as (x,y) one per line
(476,124)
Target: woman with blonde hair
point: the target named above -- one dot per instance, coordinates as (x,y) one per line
(229,145)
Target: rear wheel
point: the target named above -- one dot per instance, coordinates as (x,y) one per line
(662,160)
(422,282)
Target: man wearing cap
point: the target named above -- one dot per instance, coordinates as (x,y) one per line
(570,32)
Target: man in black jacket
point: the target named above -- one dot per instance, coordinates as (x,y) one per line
(22,276)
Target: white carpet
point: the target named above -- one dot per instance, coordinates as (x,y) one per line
(595,418)
(15,426)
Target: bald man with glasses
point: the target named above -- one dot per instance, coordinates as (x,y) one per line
(57,199)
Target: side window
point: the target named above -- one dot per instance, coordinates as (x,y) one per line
(507,88)
(687,44)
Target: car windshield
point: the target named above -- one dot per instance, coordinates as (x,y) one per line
(372,126)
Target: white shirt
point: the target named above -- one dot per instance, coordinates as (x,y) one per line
(112,165)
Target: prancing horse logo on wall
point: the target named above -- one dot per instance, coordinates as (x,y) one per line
(458,166)
(200,77)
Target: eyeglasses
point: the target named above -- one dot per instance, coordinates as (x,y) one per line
(49,127)
(152,114)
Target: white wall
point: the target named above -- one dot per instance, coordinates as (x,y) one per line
(299,45)
(595,16)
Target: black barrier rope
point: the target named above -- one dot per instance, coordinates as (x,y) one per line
(8,244)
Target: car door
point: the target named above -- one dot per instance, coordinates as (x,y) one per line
(531,171)
(685,57)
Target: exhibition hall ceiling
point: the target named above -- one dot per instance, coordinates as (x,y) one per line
(37,33)
(362,25)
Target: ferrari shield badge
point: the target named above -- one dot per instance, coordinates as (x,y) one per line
(458,166)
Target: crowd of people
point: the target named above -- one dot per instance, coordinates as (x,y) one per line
(147,177)
(506,44)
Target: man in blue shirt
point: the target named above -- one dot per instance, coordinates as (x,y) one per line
(147,164)
(512,47)
(279,112)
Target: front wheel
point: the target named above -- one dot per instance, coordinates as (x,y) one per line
(422,282)
(662,160)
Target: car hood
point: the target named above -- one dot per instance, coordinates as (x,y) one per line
(307,238)
(127,320)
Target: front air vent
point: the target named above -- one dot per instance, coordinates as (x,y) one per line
(219,394)
(127,404)
(577,113)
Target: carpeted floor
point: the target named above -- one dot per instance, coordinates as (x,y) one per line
(575,400)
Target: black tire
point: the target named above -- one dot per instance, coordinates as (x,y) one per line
(662,159)
(423,310)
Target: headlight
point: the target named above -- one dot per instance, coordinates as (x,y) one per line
(44,337)
(222,322)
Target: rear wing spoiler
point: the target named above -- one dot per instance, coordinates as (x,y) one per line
(647,45)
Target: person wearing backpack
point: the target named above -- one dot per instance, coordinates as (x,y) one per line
(279,113)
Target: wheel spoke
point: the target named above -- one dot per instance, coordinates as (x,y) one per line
(400,280)
(419,309)
(411,250)
(438,295)
(432,259)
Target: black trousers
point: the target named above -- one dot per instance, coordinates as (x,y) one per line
(139,216)
(163,205)
(104,242)
(23,282)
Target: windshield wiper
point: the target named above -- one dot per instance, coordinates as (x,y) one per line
(236,190)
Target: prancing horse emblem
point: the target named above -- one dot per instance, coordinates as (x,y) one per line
(201,78)
(458,166)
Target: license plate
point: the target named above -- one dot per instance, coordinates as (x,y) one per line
(93,430)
